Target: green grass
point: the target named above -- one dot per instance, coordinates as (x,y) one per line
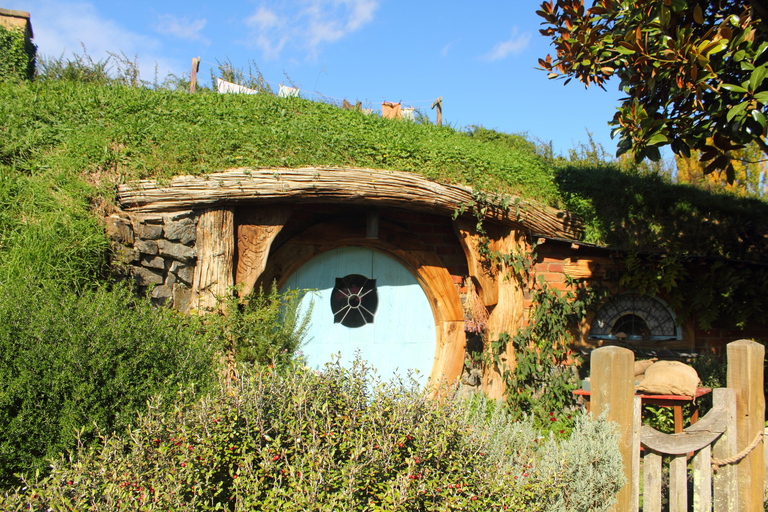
(140,133)
(57,132)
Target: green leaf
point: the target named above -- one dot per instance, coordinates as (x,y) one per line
(762,97)
(733,88)
(657,139)
(759,117)
(756,78)
(734,111)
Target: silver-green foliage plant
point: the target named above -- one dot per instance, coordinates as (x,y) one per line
(336,439)
(585,469)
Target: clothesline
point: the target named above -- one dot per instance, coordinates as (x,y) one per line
(315,93)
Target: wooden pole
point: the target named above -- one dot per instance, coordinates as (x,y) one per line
(214,272)
(613,391)
(745,375)
(439,104)
(193,74)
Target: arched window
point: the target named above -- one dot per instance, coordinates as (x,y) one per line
(634,317)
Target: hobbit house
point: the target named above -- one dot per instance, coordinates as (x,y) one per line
(392,263)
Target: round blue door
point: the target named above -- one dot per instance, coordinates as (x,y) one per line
(367,301)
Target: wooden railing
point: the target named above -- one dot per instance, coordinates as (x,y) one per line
(722,453)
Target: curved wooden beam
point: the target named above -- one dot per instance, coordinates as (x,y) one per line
(336,185)
(692,439)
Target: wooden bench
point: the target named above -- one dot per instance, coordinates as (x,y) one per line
(676,402)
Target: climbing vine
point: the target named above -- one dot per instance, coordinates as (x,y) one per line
(544,375)
(17,55)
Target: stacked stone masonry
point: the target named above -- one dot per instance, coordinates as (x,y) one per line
(159,251)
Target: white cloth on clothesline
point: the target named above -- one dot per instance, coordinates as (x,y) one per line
(225,87)
(287,92)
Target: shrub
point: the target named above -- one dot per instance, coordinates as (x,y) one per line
(17,55)
(265,328)
(77,362)
(330,440)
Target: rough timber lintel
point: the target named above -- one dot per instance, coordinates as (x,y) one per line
(335,185)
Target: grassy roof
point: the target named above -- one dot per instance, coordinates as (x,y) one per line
(60,140)
(141,133)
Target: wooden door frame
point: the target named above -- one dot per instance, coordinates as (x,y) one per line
(425,265)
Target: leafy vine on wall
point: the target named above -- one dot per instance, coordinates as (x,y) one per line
(542,380)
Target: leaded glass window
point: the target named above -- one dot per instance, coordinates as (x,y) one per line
(638,317)
(354,300)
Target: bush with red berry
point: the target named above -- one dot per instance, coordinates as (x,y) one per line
(296,439)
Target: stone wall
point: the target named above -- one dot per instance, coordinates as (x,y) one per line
(159,253)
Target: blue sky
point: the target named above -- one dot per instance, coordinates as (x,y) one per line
(479,56)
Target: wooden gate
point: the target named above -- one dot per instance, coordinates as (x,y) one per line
(720,458)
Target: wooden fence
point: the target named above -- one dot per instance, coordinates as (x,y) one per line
(725,447)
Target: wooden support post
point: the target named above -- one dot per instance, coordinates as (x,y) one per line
(215,245)
(613,391)
(439,104)
(480,270)
(725,495)
(193,74)
(507,315)
(745,375)
(256,230)
(372,224)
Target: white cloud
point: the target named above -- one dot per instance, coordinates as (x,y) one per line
(307,25)
(61,27)
(183,28)
(446,49)
(514,45)
(264,19)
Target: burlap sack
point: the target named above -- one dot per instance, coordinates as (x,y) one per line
(641,366)
(669,378)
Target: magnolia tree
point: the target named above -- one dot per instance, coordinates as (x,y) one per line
(694,71)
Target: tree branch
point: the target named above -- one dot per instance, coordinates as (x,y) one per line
(761,142)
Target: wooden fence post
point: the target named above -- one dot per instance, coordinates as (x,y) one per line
(193,74)
(612,379)
(725,485)
(745,375)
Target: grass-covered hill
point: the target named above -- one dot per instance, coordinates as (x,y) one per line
(76,140)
